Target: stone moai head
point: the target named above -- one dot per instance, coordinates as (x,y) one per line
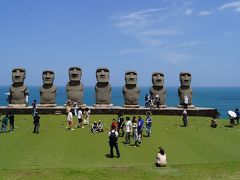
(48,77)
(75,73)
(18,75)
(185,79)
(157,79)
(131,77)
(102,75)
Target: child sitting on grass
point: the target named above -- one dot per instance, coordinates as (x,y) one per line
(161,159)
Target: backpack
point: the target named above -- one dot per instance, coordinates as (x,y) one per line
(112,137)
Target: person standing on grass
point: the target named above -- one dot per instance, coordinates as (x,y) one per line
(79,116)
(185,118)
(238,115)
(11,121)
(148,125)
(4,124)
(70,121)
(140,129)
(113,142)
(135,132)
(128,130)
(36,122)
(34,107)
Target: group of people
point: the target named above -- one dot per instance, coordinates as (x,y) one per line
(83,116)
(128,127)
(9,118)
(97,127)
(150,101)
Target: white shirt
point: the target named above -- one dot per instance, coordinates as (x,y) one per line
(128,126)
(161,159)
(185,100)
(79,115)
(69,117)
(116,133)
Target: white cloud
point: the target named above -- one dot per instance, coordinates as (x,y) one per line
(234,4)
(188,12)
(175,57)
(183,45)
(133,51)
(205,13)
(228,34)
(156,32)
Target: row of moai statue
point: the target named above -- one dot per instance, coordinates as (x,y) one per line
(103,89)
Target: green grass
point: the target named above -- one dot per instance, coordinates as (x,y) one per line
(195,152)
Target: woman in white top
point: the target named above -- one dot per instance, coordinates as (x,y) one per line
(161,159)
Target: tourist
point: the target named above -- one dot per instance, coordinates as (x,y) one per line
(148,125)
(238,115)
(27,97)
(157,100)
(70,121)
(135,131)
(213,123)
(68,106)
(185,118)
(185,102)
(120,124)
(146,101)
(36,122)
(75,107)
(140,129)
(79,116)
(100,126)
(161,159)
(34,107)
(4,124)
(87,116)
(114,124)
(113,142)
(11,121)
(94,127)
(128,130)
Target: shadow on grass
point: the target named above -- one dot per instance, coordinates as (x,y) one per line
(108,155)
(228,126)
(182,125)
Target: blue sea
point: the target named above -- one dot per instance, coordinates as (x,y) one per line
(222,98)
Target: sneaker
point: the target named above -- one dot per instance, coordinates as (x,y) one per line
(72,129)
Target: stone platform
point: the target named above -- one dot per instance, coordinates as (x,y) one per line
(197,111)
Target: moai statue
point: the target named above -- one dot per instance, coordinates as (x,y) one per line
(18,91)
(74,87)
(48,90)
(158,91)
(103,89)
(185,91)
(131,91)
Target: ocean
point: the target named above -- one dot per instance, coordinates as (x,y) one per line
(221,98)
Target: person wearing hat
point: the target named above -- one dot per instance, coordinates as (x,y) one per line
(157,99)
(94,127)
(36,122)
(100,126)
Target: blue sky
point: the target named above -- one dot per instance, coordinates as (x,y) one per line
(170,36)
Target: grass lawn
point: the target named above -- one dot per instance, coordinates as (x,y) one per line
(195,152)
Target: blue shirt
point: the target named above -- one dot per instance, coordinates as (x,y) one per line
(140,124)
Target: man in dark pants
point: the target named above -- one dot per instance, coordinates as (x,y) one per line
(113,137)
(238,114)
(11,121)
(36,122)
